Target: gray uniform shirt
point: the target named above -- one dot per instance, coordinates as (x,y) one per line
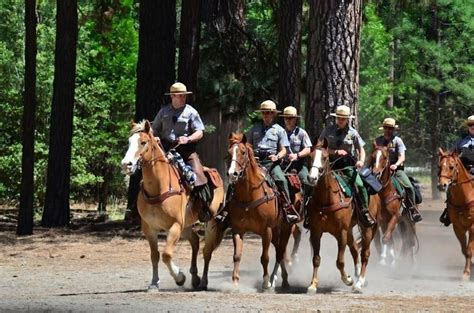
(298,139)
(267,139)
(347,139)
(169,124)
(395,147)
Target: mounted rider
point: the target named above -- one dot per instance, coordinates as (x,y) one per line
(465,149)
(344,145)
(299,149)
(396,152)
(180,127)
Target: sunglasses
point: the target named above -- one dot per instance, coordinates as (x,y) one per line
(267,112)
(289,118)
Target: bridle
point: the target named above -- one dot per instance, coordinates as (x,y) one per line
(161,158)
(454,177)
(379,174)
(243,167)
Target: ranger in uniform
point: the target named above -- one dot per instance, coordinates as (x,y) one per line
(269,141)
(343,143)
(179,126)
(300,146)
(396,149)
(465,148)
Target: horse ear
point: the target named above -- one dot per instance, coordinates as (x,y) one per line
(147,126)
(244,139)
(325,143)
(440,152)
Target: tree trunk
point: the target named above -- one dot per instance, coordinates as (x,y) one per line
(155,69)
(56,208)
(289,34)
(189,38)
(25,214)
(333,60)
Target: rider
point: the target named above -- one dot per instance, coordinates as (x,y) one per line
(396,149)
(343,142)
(465,148)
(300,146)
(180,127)
(269,141)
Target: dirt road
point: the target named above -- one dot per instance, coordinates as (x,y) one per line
(64,271)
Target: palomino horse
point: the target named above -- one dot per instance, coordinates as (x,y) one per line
(330,210)
(163,204)
(390,203)
(454,177)
(254,208)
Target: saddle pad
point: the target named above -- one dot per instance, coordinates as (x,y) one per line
(213,176)
(397,185)
(344,185)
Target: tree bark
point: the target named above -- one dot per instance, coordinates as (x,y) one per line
(56,209)
(289,35)
(333,60)
(189,38)
(155,70)
(25,213)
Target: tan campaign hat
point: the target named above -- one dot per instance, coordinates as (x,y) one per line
(290,111)
(469,121)
(343,111)
(389,122)
(178,89)
(268,105)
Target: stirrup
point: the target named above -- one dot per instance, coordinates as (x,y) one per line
(366,219)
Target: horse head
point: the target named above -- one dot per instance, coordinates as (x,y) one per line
(379,159)
(240,154)
(319,161)
(446,168)
(141,147)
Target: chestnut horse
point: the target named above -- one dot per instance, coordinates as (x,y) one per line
(330,210)
(163,204)
(454,177)
(254,208)
(390,204)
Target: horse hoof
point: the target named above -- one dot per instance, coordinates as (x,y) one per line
(195,282)
(466,277)
(311,290)
(285,285)
(356,288)
(348,281)
(153,288)
(180,279)
(382,262)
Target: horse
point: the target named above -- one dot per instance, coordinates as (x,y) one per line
(454,178)
(330,210)
(164,204)
(390,203)
(254,208)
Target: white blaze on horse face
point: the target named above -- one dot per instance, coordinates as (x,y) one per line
(233,163)
(129,162)
(378,155)
(317,164)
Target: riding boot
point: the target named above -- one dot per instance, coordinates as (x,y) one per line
(292,215)
(204,195)
(222,216)
(444,218)
(414,214)
(365,218)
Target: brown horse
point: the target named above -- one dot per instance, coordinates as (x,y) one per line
(163,204)
(254,208)
(454,177)
(389,204)
(330,210)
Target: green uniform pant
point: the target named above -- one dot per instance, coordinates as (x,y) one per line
(406,183)
(278,176)
(354,180)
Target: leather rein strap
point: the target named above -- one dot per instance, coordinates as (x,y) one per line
(161,198)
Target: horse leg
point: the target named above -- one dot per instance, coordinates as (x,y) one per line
(470,251)
(296,244)
(173,236)
(238,245)
(265,258)
(387,236)
(213,238)
(193,239)
(152,238)
(274,274)
(367,236)
(285,234)
(462,238)
(353,247)
(315,239)
(341,247)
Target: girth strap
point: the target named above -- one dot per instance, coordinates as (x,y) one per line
(395,196)
(161,198)
(335,207)
(462,208)
(253,204)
